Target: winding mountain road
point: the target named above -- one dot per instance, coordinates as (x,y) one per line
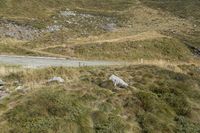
(42,62)
(34,62)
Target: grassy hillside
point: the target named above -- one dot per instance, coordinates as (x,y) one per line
(162,48)
(158,100)
(41,11)
(61,22)
(167,49)
(184,9)
(162,36)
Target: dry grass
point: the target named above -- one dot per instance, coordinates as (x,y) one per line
(137,22)
(7,69)
(109,38)
(163,100)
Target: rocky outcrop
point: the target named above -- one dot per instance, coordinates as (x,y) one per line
(17,31)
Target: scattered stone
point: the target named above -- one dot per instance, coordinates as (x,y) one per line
(17,31)
(85,21)
(22,89)
(1,83)
(86,15)
(118,81)
(18,88)
(111,27)
(56,79)
(53,28)
(3,94)
(67,13)
(24,32)
(16,83)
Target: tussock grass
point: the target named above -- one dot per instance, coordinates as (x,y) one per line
(13,46)
(165,101)
(6,69)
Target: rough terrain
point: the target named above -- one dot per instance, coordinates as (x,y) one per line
(100,66)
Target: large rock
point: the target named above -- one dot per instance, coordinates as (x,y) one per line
(118,81)
(2,83)
(56,79)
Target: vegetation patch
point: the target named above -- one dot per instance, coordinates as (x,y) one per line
(168,49)
(163,101)
(184,9)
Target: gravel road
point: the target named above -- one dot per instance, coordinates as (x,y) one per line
(34,62)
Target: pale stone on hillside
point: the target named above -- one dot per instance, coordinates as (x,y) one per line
(118,81)
(57,79)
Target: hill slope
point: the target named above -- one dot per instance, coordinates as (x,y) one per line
(44,24)
(157,100)
(163,94)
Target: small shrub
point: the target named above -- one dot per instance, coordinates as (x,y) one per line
(185,126)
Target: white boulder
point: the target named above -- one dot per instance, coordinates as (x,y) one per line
(118,81)
(56,79)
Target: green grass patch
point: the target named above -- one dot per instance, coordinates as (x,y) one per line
(43,8)
(168,49)
(14,49)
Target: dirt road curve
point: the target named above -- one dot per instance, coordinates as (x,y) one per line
(34,62)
